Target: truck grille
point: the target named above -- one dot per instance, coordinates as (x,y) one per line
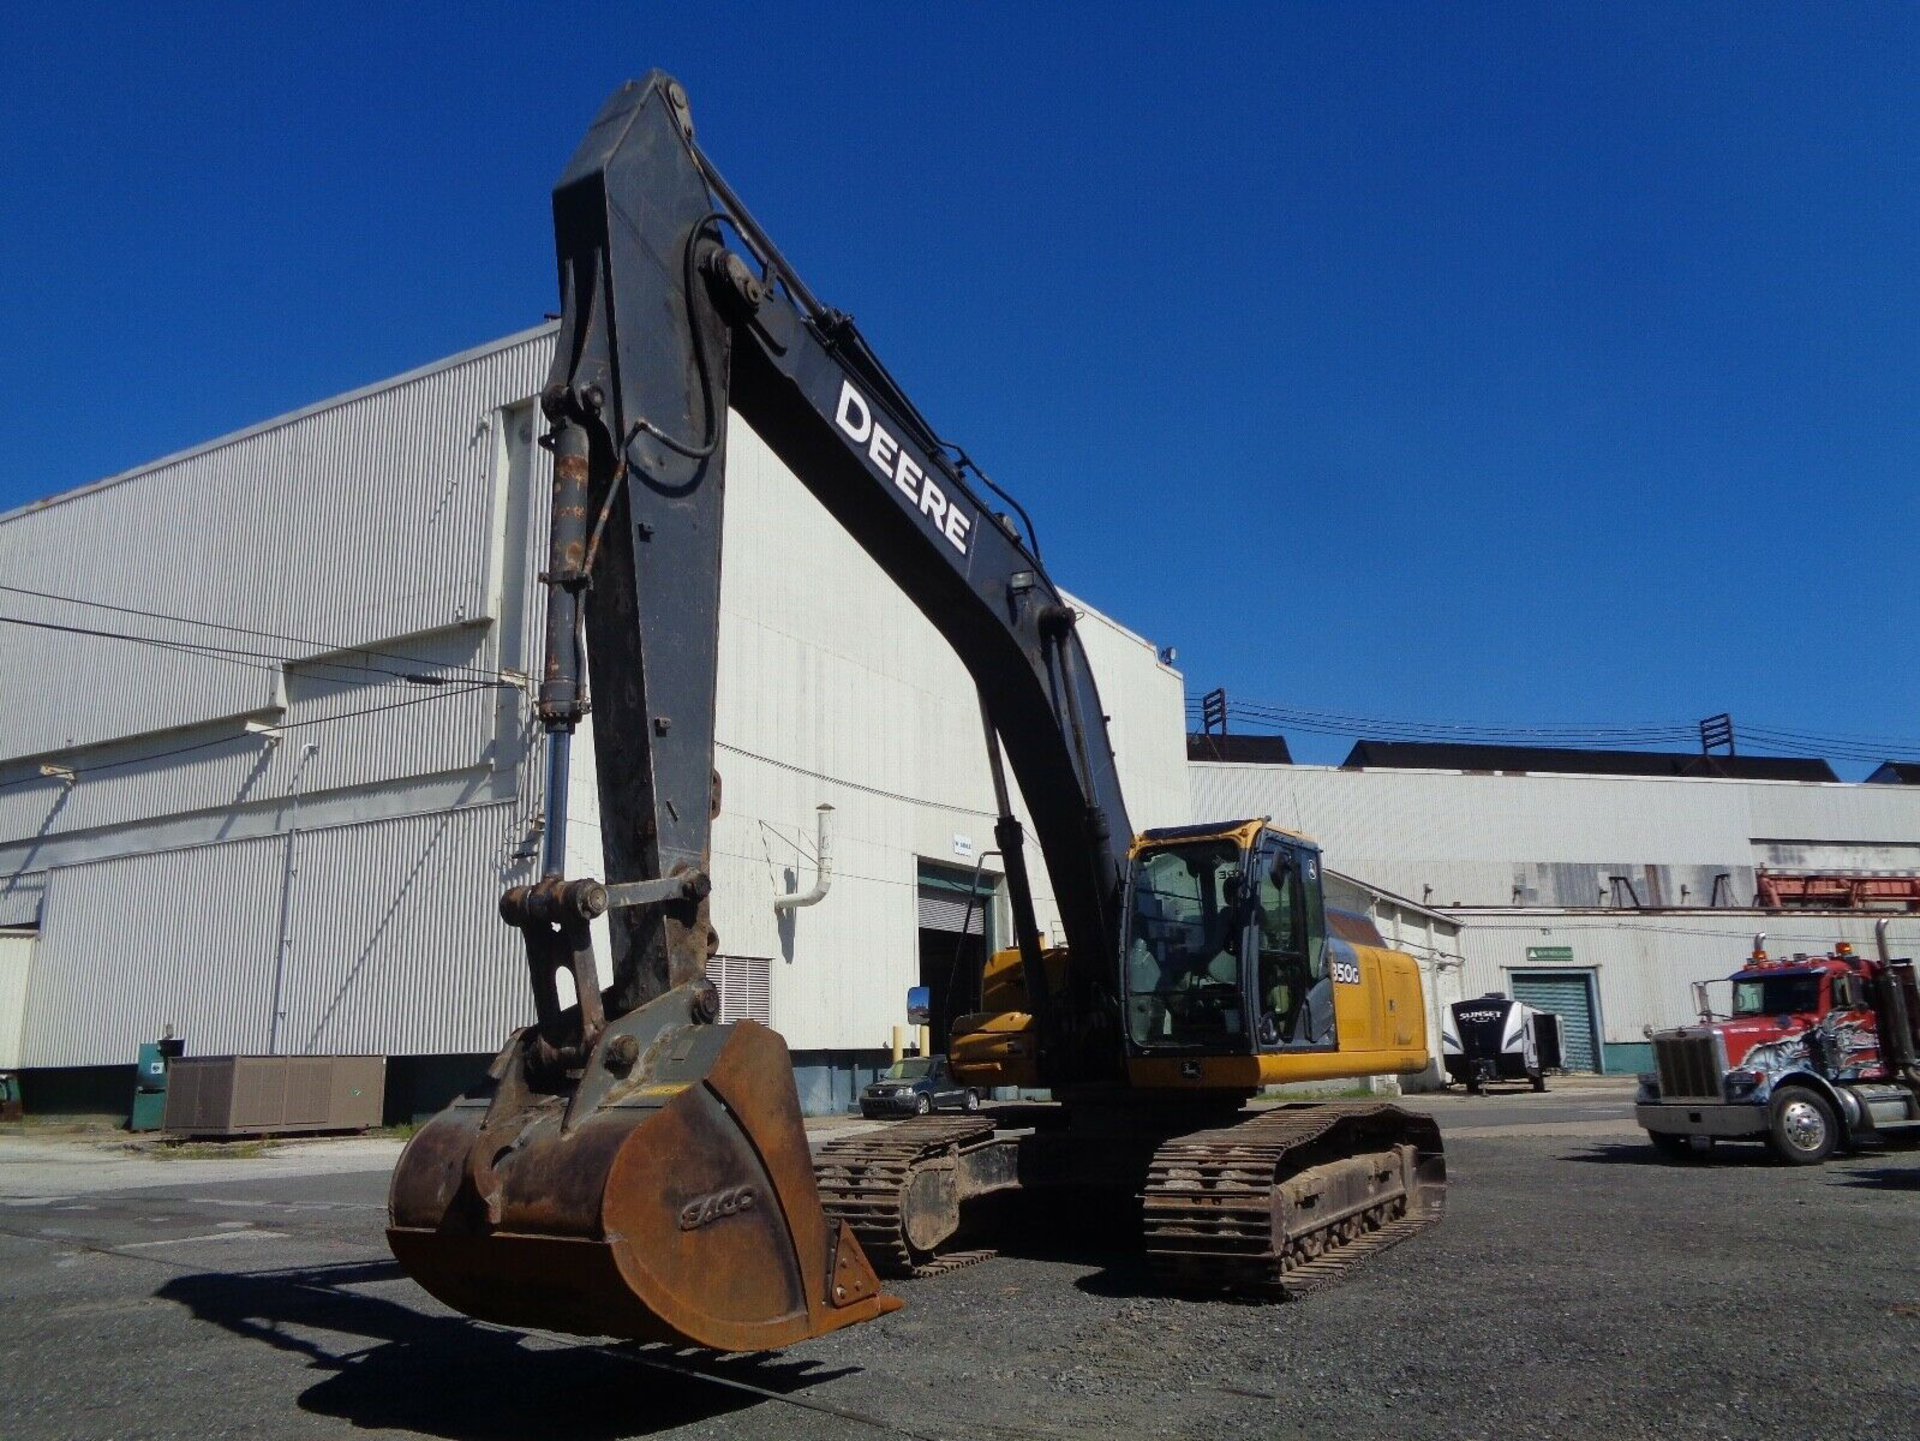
(1688,1064)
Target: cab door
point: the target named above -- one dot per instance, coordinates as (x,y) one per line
(1292,993)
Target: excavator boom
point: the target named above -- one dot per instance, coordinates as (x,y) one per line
(628,1166)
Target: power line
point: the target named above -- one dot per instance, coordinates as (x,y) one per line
(1349,718)
(1760,739)
(254,660)
(1257,709)
(321,646)
(839,873)
(1359,726)
(183,647)
(854,785)
(257,660)
(248,735)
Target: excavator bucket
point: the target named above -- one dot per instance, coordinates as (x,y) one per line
(663,1192)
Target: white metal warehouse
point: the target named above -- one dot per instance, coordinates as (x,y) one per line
(267,757)
(267,760)
(1601,896)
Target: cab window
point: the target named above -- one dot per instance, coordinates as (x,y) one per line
(1316,906)
(1183,951)
(1285,952)
(1776,995)
(1292,948)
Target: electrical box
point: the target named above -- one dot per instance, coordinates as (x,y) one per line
(150,1082)
(274,1095)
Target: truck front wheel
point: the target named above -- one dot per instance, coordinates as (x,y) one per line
(1801,1128)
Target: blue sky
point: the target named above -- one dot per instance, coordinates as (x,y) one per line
(1499,364)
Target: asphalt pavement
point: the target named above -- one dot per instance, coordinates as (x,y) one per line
(1577,1286)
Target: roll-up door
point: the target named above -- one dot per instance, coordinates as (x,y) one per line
(1570,997)
(942,900)
(945,910)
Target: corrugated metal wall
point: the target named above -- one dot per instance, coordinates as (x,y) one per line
(185,938)
(1455,838)
(370,518)
(356,865)
(378,937)
(394,939)
(362,728)
(352,868)
(16,959)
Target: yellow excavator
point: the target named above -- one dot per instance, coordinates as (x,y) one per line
(631,1167)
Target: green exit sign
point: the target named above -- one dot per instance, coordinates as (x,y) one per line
(1541,954)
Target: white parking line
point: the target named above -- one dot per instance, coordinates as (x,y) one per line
(248,1235)
(287,1205)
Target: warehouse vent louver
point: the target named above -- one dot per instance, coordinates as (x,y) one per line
(745,985)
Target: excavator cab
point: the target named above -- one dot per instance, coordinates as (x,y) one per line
(1233,974)
(1225,943)
(1224,952)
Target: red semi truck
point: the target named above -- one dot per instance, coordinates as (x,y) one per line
(1817,1053)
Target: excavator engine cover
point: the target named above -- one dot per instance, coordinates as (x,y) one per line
(663,1192)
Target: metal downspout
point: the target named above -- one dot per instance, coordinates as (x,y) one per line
(823,867)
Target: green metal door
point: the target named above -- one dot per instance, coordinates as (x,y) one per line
(1570,997)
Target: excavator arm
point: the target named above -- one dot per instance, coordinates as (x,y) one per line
(665,328)
(629,1166)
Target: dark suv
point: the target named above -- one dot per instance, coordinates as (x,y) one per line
(915,1086)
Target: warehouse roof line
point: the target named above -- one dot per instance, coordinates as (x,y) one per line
(1240,749)
(1382,893)
(1581,760)
(206,447)
(1521,774)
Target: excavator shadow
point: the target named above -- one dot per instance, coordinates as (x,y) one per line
(1091,1228)
(390,1366)
(1102,1232)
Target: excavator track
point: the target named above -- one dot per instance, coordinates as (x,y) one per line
(869,1182)
(1288,1201)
